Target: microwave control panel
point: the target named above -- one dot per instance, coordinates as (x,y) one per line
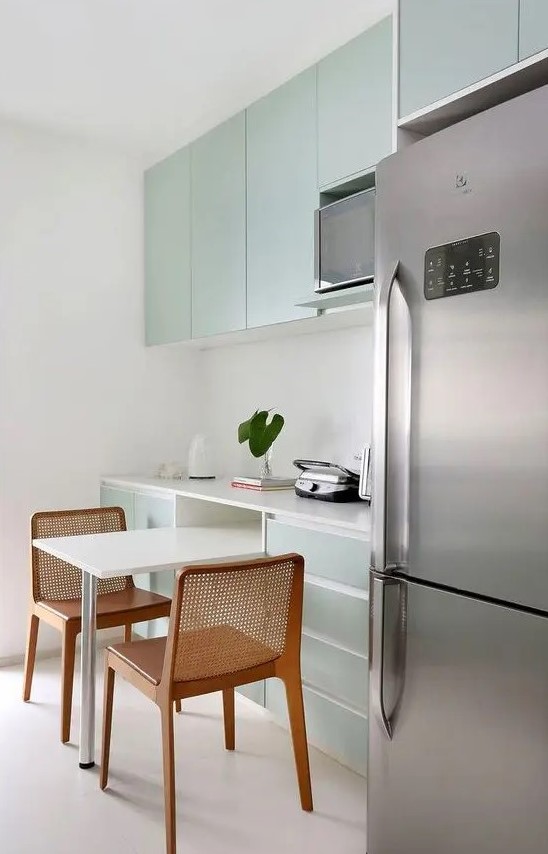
(462,267)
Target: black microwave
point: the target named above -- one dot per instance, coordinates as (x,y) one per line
(344,245)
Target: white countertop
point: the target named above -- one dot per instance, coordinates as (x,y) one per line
(154,549)
(353,516)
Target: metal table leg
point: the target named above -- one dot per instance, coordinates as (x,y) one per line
(87,685)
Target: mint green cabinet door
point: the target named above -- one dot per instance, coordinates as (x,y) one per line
(355,105)
(111,497)
(218,229)
(154,511)
(332,556)
(533,27)
(281,198)
(167,250)
(447,45)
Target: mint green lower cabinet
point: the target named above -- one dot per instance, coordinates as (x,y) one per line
(330,556)
(154,511)
(111,497)
(334,644)
(281,198)
(533,27)
(219,230)
(339,614)
(336,617)
(335,672)
(448,45)
(167,250)
(355,105)
(330,726)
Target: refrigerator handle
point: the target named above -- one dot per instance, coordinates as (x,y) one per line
(380,420)
(382,659)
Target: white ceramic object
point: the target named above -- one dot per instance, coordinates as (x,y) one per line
(170,471)
(200,463)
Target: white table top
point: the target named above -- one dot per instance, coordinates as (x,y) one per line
(353,517)
(154,549)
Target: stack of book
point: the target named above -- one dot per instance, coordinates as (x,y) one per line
(264,484)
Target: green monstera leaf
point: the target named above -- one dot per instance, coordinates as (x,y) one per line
(243,429)
(259,432)
(262,433)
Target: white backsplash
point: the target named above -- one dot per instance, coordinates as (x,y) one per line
(321,384)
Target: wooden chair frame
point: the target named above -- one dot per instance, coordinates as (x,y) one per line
(286,667)
(70,628)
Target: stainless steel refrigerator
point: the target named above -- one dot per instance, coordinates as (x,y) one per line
(458,743)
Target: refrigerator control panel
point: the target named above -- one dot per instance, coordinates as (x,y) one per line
(462,267)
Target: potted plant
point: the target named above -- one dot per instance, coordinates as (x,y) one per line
(261,435)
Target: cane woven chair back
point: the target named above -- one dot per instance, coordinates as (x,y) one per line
(228,618)
(54,579)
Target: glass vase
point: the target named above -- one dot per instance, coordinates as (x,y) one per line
(266,464)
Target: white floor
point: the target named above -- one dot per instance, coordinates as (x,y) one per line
(245,801)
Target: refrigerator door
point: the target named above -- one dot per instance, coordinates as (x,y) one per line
(468,415)
(467,764)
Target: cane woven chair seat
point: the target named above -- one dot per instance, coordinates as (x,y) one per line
(207,653)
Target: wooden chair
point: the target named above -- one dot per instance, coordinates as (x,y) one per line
(230,624)
(57,590)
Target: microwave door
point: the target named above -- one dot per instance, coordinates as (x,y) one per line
(344,242)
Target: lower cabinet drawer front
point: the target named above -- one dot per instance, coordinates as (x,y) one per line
(332,556)
(255,692)
(337,617)
(111,497)
(335,730)
(335,671)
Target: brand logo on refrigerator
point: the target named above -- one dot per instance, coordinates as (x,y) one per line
(462,182)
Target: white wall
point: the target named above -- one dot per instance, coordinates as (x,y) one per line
(321,384)
(79,393)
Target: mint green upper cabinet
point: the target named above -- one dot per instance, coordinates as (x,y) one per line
(447,45)
(218,230)
(281,197)
(533,27)
(167,250)
(355,105)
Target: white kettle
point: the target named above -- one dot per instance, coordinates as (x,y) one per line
(200,462)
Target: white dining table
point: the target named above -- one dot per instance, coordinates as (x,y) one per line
(134,552)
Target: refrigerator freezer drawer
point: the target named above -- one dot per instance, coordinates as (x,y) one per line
(467,766)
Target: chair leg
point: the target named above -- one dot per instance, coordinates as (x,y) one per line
(168,753)
(67,681)
(230,726)
(30,655)
(127,633)
(294,694)
(110,674)
(178,705)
